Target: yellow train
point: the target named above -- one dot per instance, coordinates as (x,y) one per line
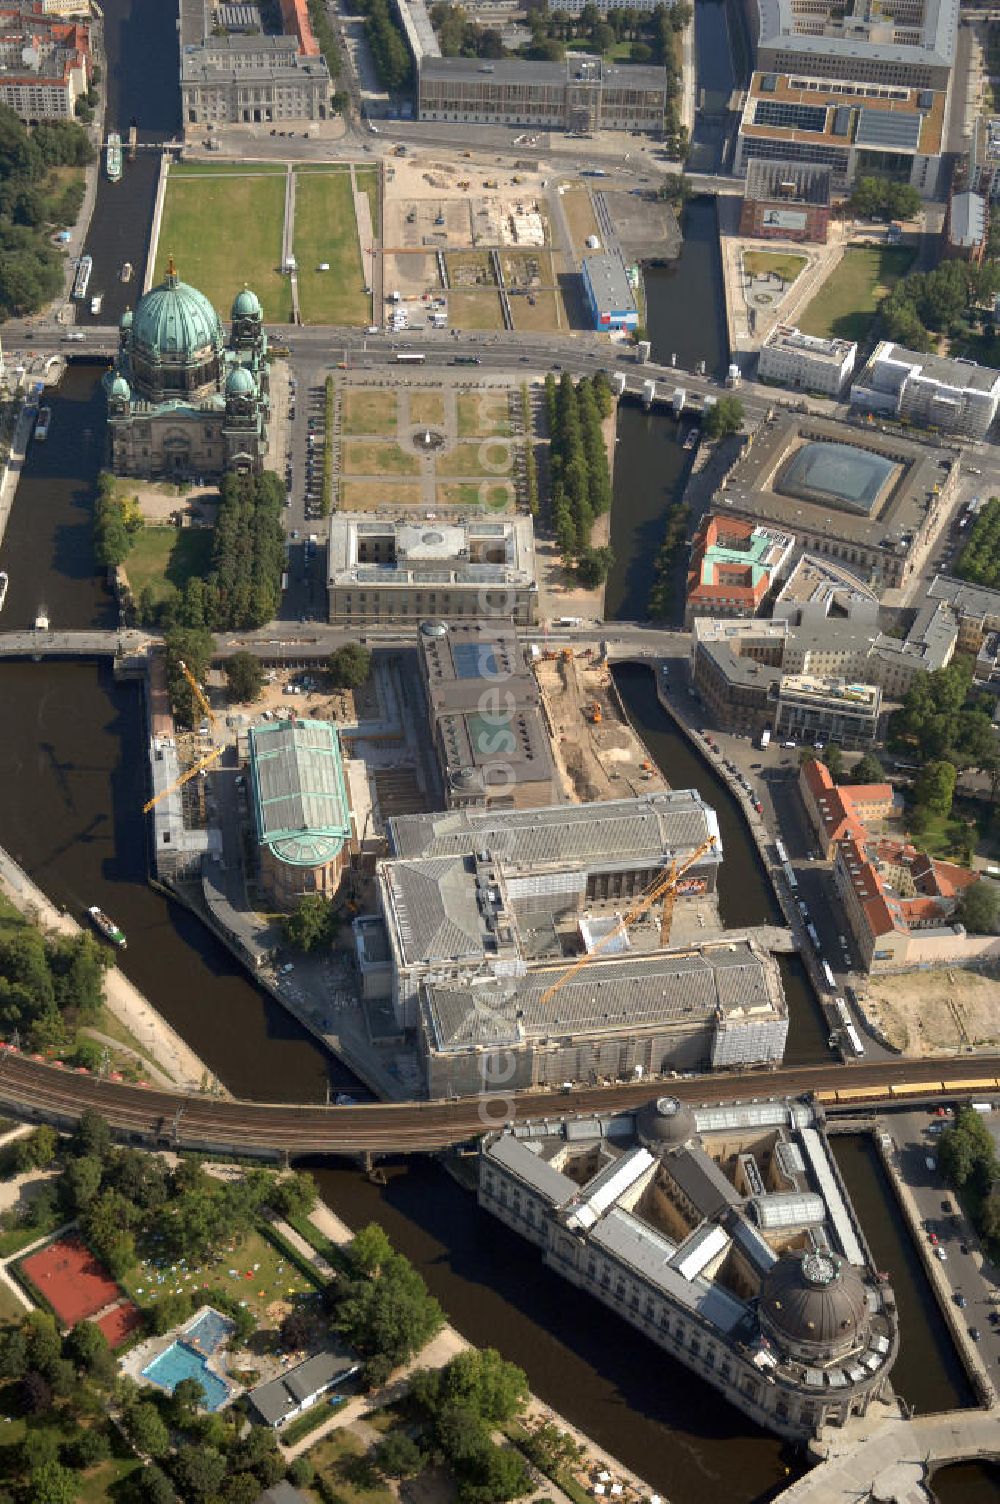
(846,1095)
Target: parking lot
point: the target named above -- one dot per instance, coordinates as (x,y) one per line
(304,596)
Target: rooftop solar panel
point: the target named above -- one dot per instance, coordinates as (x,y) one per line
(898,130)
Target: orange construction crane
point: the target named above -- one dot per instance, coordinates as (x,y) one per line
(203,762)
(664,885)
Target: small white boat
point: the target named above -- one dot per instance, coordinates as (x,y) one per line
(43,423)
(4,582)
(42,620)
(95,303)
(127,272)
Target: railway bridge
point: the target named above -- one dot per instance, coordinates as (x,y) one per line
(36,1090)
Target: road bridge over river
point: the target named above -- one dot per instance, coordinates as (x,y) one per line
(38,1090)
(48,644)
(897,1458)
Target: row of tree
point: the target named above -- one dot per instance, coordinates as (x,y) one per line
(579,478)
(979,560)
(661,595)
(390,53)
(31,207)
(117,523)
(50,985)
(881,198)
(967,1158)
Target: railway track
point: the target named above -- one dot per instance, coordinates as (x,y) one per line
(37,1089)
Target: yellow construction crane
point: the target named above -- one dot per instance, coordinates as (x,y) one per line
(203,762)
(664,885)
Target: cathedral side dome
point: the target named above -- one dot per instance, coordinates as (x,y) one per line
(120,388)
(174,321)
(815,1303)
(246,305)
(240,383)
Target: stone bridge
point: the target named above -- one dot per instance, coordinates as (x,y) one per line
(48,644)
(893,1460)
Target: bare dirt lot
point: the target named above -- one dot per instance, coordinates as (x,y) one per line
(597,753)
(944,1009)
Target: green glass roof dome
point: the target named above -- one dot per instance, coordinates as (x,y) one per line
(174,320)
(240,383)
(120,388)
(246,305)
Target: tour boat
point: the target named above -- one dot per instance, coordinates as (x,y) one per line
(113,159)
(82,280)
(127,272)
(95,303)
(107,927)
(690,438)
(42,424)
(4,582)
(42,620)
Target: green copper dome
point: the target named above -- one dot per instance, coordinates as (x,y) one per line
(175,321)
(120,388)
(240,383)
(246,305)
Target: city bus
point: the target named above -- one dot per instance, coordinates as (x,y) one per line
(410,358)
(828,976)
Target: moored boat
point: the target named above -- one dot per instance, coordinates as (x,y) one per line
(42,424)
(82,279)
(127,272)
(113,158)
(4,582)
(107,927)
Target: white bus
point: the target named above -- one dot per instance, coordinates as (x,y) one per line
(854,1040)
(765,738)
(828,975)
(790,877)
(782,853)
(410,358)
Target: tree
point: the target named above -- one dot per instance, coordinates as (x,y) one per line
(979,908)
(36,1393)
(492,1475)
(965,1150)
(393,1315)
(867,769)
(370,1249)
(198,1471)
(154,1487)
(294,1195)
(301,1472)
(241,1488)
(189,1397)
(481,1378)
(834,759)
(244,677)
(146,1429)
(86,1344)
(724,417)
(81,1181)
(593,566)
(42,1341)
(296,1329)
(398,1456)
(53,1484)
(309,926)
(935,787)
(87,1449)
(349,666)
(93,1135)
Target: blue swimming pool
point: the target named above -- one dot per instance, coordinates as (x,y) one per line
(182,1362)
(208,1330)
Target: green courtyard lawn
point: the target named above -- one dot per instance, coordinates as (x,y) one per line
(787,267)
(846,302)
(326,231)
(224,231)
(165,558)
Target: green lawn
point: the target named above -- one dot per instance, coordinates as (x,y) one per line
(274,1278)
(212,169)
(168,556)
(469,495)
(846,302)
(482,413)
(490,458)
(360,458)
(759,263)
(365,412)
(427,407)
(225,233)
(11,920)
(11,1308)
(326,231)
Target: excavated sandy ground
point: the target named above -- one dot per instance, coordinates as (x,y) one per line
(928,1011)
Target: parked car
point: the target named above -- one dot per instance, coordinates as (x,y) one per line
(960,1300)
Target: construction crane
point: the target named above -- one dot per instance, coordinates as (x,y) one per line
(203,762)
(664,885)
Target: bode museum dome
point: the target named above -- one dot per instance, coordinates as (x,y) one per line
(183,400)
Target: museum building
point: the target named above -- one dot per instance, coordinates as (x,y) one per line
(183,401)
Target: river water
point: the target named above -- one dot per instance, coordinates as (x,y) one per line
(72,782)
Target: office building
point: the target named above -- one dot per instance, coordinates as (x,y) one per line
(934,391)
(581,94)
(896,43)
(984,158)
(301,812)
(473,893)
(853,130)
(786,201)
(976,610)
(253,80)
(390,571)
(722,1234)
(873,502)
(486,717)
(608,291)
(900,904)
(45,62)
(813,708)
(805,362)
(819,590)
(734,567)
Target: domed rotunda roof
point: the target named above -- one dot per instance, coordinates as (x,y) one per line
(240,383)
(816,1299)
(665,1121)
(120,388)
(175,321)
(246,305)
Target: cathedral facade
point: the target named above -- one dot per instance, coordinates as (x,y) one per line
(184,402)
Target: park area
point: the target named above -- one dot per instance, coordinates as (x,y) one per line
(163,559)
(71,1280)
(774,264)
(223,226)
(845,304)
(326,234)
